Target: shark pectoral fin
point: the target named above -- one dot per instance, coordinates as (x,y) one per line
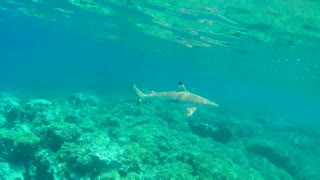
(191,110)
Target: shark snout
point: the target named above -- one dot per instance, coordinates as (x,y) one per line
(213,104)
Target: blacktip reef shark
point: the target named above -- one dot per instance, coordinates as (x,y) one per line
(181,95)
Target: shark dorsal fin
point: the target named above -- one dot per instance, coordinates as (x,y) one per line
(181,87)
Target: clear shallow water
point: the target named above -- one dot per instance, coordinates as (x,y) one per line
(268,70)
(37,56)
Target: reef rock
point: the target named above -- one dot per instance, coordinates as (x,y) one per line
(83,99)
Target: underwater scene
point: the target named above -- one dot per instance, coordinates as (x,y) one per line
(159,89)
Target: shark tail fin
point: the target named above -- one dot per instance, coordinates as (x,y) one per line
(139,93)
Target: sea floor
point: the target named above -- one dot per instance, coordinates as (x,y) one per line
(83,136)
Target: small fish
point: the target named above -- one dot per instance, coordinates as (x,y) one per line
(181,95)
(260,120)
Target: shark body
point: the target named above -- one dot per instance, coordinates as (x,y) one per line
(181,95)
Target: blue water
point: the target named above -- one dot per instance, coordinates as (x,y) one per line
(249,79)
(39,56)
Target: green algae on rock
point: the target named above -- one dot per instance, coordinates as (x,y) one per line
(18,146)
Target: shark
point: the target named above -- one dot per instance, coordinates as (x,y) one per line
(181,95)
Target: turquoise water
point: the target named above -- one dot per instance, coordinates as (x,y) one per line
(68,111)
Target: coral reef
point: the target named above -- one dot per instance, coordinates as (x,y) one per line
(85,136)
(18,146)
